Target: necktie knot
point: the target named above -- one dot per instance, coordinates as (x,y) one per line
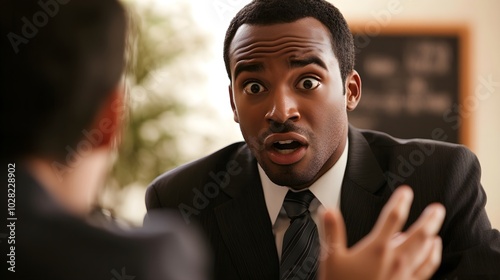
(297,203)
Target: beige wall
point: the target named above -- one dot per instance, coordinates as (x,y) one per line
(481,18)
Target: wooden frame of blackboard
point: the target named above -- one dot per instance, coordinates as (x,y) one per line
(461,32)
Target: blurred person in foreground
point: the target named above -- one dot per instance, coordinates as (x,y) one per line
(62,102)
(260,202)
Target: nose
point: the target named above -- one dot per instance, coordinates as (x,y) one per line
(283,107)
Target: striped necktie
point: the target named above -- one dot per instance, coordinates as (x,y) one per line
(299,259)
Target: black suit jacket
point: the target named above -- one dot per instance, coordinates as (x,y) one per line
(223,193)
(49,243)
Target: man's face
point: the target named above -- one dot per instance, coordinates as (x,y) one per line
(287,95)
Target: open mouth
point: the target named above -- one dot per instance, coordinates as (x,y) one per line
(286,146)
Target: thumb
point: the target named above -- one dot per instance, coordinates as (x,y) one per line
(335,241)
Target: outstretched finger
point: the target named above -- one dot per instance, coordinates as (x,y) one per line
(394,214)
(421,235)
(432,262)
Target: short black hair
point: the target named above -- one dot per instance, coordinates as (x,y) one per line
(267,12)
(60,61)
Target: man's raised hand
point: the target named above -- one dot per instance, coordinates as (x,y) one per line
(385,253)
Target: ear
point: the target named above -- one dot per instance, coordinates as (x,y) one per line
(353,90)
(108,121)
(231,98)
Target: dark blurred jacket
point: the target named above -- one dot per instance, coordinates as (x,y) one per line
(52,244)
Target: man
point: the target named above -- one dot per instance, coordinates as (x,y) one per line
(292,81)
(61,66)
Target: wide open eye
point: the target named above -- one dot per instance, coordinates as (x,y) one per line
(253,88)
(308,83)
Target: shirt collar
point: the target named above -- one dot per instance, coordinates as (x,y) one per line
(326,188)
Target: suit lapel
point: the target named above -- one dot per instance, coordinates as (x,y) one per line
(245,225)
(364,189)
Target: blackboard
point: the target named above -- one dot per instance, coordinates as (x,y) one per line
(413,82)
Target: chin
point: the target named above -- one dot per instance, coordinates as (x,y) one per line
(292,180)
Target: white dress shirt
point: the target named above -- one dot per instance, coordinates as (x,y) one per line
(326,190)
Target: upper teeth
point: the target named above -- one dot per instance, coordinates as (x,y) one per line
(285,142)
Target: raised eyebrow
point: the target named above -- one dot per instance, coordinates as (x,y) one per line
(298,63)
(247,67)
